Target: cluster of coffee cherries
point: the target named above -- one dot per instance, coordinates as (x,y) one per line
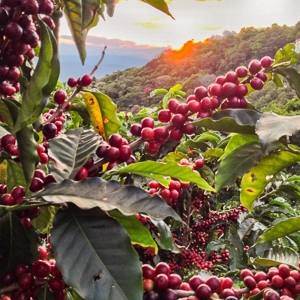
(278,283)
(283,281)
(176,116)
(16,196)
(229,91)
(25,281)
(116,150)
(19,35)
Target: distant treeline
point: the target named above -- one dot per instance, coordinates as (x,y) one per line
(199,64)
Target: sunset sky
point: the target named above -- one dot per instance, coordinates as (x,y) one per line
(194,19)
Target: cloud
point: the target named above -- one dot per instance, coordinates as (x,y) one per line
(207,27)
(151,25)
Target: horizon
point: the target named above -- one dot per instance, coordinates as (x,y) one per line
(199,20)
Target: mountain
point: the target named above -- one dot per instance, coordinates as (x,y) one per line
(199,63)
(119,55)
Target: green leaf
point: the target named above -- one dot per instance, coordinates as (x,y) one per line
(43,221)
(278,80)
(271,127)
(44,294)
(15,244)
(294,79)
(160,5)
(92,250)
(237,163)
(15,175)
(165,236)
(276,256)
(159,171)
(158,92)
(254,182)
(70,151)
(175,88)
(107,195)
(9,110)
(27,146)
(89,11)
(43,80)
(231,120)
(236,140)
(279,230)
(73,14)
(137,232)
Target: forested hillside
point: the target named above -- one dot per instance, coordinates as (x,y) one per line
(199,64)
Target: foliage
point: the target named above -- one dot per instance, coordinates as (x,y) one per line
(100,191)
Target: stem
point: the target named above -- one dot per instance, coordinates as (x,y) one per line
(62,108)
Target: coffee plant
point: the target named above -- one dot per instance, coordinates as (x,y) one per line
(196,198)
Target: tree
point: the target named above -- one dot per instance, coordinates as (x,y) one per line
(88,193)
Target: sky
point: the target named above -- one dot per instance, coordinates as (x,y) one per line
(136,21)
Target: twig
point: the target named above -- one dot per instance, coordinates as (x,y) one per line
(62,108)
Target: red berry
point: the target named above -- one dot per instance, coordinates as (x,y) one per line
(226,283)
(200,92)
(176,134)
(256,83)
(161,135)
(147,122)
(195,281)
(82,173)
(136,129)
(116,140)
(161,281)
(147,134)
(148,285)
(7,199)
(178,120)
(26,281)
(41,268)
(254,66)
(60,96)
(162,268)
(228,292)
(185,287)
(125,152)
(262,76)
(43,252)
(249,282)
(194,106)
(164,115)
(263,284)
(21,269)
(199,163)
(86,80)
(174,281)
(284,270)
(229,89)
(241,71)
(153,147)
(260,275)
(72,82)
(214,283)
(36,184)
(182,109)
(13,31)
(277,281)
(148,271)
(172,105)
(266,61)
(113,153)
(56,284)
(203,291)
(231,76)
(244,273)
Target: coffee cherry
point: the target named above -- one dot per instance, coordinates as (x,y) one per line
(29,7)
(72,82)
(178,120)
(46,7)
(182,108)
(82,173)
(8,139)
(199,163)
(148,271)
(206,104)
(161,281)
(245,272)
(36,184)
(116,140)
(231,76)
(249,282)
(263,284)
(152,147)
(194,106)
(195,281)
(172,105)
(203,291)
(26,281)
(162,268)
(152,295)
(49,130)
(226,283)
(241,90)
(284,270)
(125,152)
(161,134)
(113,153)
(60,97)
(200,92)
(229,89)
(260,275)
(277,281)
(18,191)
(13,31)
(41,268)
(188,129)
(241,71)
(43,252)
(227,292)
(56,284)
(136,129)
(266,61)
(147,122)
(214,283)
(164,115)
(7,199)
(216,89)
(176,134)
(148,285)
(147,134)
(256,83)
(295,274)
(290,282)
(175,281)
(270,294)
(169,294)
(254,66)
(185,286)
